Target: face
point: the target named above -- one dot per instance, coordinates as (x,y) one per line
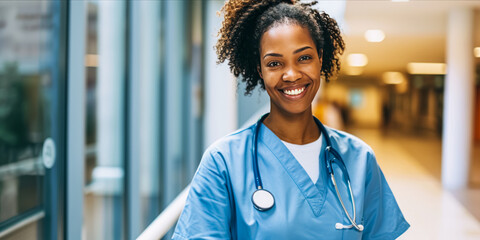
(290,68)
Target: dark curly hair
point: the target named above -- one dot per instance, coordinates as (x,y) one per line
(247,20)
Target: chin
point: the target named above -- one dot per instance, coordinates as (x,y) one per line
(296,110)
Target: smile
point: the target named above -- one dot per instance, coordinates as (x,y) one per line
(294,92)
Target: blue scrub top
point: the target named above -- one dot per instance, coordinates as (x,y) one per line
(219,204)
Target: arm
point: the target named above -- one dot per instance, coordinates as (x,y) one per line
(207,213)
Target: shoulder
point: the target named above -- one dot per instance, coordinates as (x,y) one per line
(341,137)
(230,144)
(349,144)
(219,158)
(225,143)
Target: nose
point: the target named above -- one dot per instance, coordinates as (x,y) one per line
(291,74)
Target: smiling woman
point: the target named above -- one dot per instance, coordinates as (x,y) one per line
(246,21)
(286,48)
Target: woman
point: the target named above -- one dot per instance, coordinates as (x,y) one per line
(286,48)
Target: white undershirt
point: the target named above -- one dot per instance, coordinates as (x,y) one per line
(308,156)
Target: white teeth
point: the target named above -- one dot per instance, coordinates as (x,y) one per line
(294,91)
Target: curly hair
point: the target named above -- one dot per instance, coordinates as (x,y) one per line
(245,21)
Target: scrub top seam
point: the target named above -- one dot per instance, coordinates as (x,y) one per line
(228,181)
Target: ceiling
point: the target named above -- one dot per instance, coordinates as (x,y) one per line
(415,32)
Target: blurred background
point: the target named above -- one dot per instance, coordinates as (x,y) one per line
(107,106)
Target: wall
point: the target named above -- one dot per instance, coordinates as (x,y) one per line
(477,115)
(366,112)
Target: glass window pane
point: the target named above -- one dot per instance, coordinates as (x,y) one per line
(29,112)
(104,160)
(149,46)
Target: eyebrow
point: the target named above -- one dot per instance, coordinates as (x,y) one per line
(279,55)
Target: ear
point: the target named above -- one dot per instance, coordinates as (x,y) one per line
(259,70)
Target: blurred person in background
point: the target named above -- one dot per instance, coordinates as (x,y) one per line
(331,114)
(286,48)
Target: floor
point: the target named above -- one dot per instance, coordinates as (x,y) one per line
(412,166)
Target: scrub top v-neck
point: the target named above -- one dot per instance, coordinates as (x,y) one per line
(307,156)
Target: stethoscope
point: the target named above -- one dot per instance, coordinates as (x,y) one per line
(263,200)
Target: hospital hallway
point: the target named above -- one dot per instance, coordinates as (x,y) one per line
(412,166)
(107,107)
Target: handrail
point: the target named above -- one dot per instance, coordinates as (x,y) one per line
(24,222)
(23,167)
(167,219)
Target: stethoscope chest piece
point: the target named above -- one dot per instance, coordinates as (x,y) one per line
(263,200)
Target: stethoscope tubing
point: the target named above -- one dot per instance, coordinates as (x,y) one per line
(329,165)
(258,179)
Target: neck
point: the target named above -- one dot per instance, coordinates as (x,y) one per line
(293,128)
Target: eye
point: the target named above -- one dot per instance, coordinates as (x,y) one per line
(304,58)
(273,64)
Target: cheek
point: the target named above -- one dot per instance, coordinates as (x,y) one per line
(313,71)
(270,79)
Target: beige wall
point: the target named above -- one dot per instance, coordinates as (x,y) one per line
(368,113)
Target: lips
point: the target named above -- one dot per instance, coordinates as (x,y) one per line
(294,92)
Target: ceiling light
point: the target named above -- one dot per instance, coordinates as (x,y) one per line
(357,60)
(476,51)
(354,71)
(374,35)
(393,78)
(427,68)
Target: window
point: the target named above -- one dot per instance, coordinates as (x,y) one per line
(31,118)
(104,197)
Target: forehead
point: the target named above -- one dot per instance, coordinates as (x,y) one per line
(285,38)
